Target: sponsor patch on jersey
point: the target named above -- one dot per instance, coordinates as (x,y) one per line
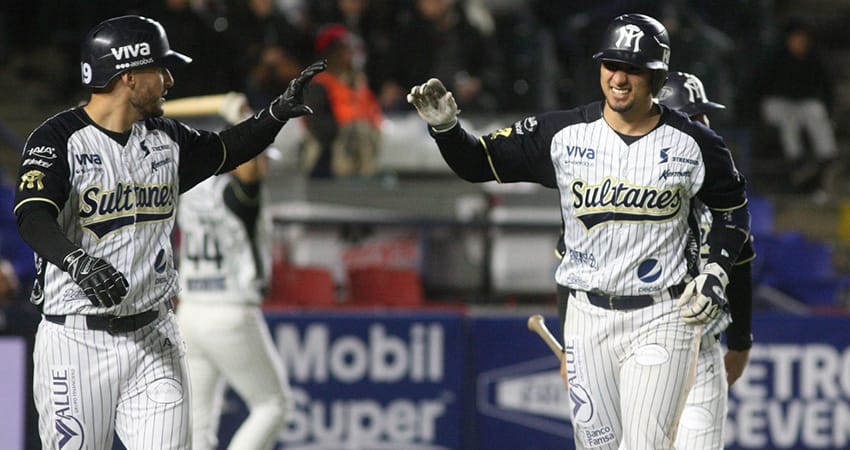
(157,164)
(584,259)
(32,180)
(160,263)
(42,152)
(596,437)
(148,149)
(617,201)
(674,174)
(649,271)
(527,125)
(37,162)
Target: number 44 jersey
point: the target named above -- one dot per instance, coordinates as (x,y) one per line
(219,256)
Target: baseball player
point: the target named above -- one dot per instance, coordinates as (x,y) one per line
(701,426)
(627,171)
(222,279)
(96,200)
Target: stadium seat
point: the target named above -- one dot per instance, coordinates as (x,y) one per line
(377,286)
(300,286)
(761,214)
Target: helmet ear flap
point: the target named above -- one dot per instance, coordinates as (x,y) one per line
(659,77)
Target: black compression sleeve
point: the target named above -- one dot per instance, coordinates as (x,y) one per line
(464,154)
(38,227)
(248,139)
(740,293)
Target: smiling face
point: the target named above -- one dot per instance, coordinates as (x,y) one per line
(626,87)
(148,92)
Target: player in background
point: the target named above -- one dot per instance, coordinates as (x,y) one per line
(627,171)
(704,417)
(222,275)
(96,200)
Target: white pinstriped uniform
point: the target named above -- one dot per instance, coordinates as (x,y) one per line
(117,201)
(221,274)
(626,206)
(656,349)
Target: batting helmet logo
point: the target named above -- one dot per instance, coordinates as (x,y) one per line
(123,43)
(629,37)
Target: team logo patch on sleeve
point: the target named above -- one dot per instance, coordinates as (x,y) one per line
(504,132)
(33,179)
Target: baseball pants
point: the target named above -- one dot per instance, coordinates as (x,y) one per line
(231,343)
(89,384)
(629,373)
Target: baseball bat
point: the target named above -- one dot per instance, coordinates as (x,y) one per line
(204,105)
(537,325)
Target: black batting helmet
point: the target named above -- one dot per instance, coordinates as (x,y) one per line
(123,43)
(684,92)
(639,40)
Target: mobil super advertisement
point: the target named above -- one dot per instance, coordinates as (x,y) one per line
(424,380)
(372,380)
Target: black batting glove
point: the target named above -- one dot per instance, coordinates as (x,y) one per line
(102,283)
(291,103)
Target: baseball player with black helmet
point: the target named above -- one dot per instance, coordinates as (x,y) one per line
(627,171)
(97,194)
(702,423)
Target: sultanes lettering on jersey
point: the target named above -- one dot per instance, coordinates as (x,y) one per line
(103,212)
(617,201)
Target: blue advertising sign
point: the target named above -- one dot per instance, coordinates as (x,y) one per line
(795,391)
(371,380)
(521,403)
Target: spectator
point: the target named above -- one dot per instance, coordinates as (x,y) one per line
(371,20)
(438,39)
(256,25)
(343,134)
(271,73)
(794,90)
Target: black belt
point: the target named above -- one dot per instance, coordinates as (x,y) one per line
(626,302)
(113,324)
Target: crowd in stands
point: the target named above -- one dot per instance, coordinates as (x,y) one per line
(495,55)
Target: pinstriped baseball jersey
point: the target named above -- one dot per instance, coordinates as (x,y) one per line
(219,258)
(116,197)
(625,202)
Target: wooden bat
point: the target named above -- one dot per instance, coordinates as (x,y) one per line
(205,105)
(537,325)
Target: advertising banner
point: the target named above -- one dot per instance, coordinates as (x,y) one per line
(370,380)
(794,393)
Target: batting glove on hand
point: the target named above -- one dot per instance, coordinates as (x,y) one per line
(102,284)
(435,105)
(704,297)
(291,103)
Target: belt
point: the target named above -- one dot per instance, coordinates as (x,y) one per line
(114,324)
(627,302)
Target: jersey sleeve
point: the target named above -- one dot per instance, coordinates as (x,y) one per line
(723,187)
(724,192)
(44,173)
(522,152)
(201,151)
